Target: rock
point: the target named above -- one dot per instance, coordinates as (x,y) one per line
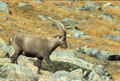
(65,7)
(17,73)
(106,16)
(69,24)
(62,6)
(23,4)
(44,18)
(115,7)
(66,76)
(65,60)
(98,54)
(3,54)
(4,7)
(79,8)
(76,75)
(114,37)
(1,29)
(77,34)
(9,50)
(118,28)
(4,18)
(107,4)
(86,36)
(90,6)
(4,61)
(38,1)
(2,43)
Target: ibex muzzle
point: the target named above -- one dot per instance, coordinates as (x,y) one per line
(38,47)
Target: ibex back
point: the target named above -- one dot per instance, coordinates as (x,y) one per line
(38,47)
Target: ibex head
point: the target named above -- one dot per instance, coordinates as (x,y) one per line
(62,37)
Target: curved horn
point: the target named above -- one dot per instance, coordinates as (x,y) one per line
(60,26)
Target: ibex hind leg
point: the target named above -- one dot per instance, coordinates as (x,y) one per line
(47,59)
(39,65)
(15,56)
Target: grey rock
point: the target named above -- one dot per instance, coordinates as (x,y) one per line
(98,54)
(70,23)
(2,43)
(65,7)
(4,7)
(39,1)
(4,18)
(114,37)
(118,28)
(90,6)
(107,4)
(79,8)
(67,76)
(16,72)
(23,4)
(4,61)
(1,29)
(87,36)
(77,34)
(115,7)
(70,62)
(106,16)
(62,6)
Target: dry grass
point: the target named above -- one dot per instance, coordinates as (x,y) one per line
(26,20)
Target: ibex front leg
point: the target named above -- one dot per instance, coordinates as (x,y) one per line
(47,59)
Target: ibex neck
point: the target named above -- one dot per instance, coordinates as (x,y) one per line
(53,44)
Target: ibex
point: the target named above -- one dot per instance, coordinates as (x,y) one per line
(39,47)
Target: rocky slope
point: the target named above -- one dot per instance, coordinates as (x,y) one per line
(92,36)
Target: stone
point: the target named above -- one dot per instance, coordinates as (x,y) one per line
(38,1)
(77,34)
(118,28)
(4,7)
(2,43)
(98,54)
(15,72)
(106,16)
(90,6)
(4,18)
(114,37)
(107,4)
(69,62)
(23,4)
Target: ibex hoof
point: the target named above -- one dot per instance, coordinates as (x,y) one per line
(39,72)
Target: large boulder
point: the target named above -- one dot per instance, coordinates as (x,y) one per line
(62,60)
(17,73)
(65,60)
(98,54)
(4,7)
(76,75)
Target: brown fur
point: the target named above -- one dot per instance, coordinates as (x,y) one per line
(39,47)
